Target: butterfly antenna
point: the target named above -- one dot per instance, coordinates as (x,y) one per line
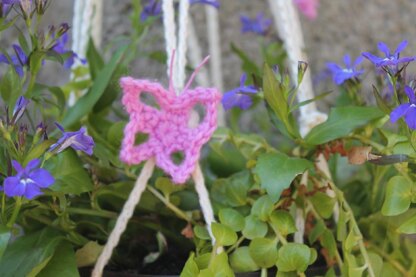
(191,79)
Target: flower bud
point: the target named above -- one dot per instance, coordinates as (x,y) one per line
(41,6)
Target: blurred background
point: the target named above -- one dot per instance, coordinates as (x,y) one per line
(341,27)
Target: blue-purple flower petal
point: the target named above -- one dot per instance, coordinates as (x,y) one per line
(12,187)
(410,117)
(42,177)
(28,181)
(32,190)
(399,112)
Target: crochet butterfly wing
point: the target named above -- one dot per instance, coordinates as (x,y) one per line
(167,128)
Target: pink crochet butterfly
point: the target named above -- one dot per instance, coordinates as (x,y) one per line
(167,129)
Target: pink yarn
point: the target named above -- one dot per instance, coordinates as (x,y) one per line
(308,7)
(167,128)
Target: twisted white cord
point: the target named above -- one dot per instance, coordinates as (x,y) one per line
(182,44)
(87,21)
(300,217)
(288,24)
(124,217)
(97,25)
(195,55)
(215,51)
(204,199)
(170,34)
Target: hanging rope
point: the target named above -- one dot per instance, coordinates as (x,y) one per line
(160,135)
(87,22)
(215,52)
(124,217)
(288,24)
(289,27)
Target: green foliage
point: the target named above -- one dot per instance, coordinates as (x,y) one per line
(276,171)
(283,222)
(341,122)
(398,196)
(223,234)
(294,257)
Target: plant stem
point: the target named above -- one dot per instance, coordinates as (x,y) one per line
(239,241)
(263,272)
(368,141)
(344,205)
(169,205)
(393,262)
(101,213)
(320,219)
(15,213)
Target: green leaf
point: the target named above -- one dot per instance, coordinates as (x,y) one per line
(201,232)
(294,257)
(254,228)
(233,190)
(306,102)
(323,204)
(88,254)
(10,87)
(381,103)
(351,241)
(38,151)
(264,252)
(29,254)
(203,260)
(220,266)
(398,196)
(276,171)
(115,133)
(283,222)
(166,186)
(276,97)
(232,219)
(241,260)
(328,241)
(409,226)
(316,232)
(262,208)
(85,104)
(62,263)
(342,121)
(223,234)
(376,263)
(4,239)
(95,61)
(191,268)
(70,175)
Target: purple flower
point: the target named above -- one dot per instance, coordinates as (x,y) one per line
(340,75)
(28,181)
(152,8)
(18,60)
(408,110)
(239,97)
(5,6)
(10,2)
(19,109)
(60,48)
(391,59)
(77,140)
(258,25)
(214,3)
